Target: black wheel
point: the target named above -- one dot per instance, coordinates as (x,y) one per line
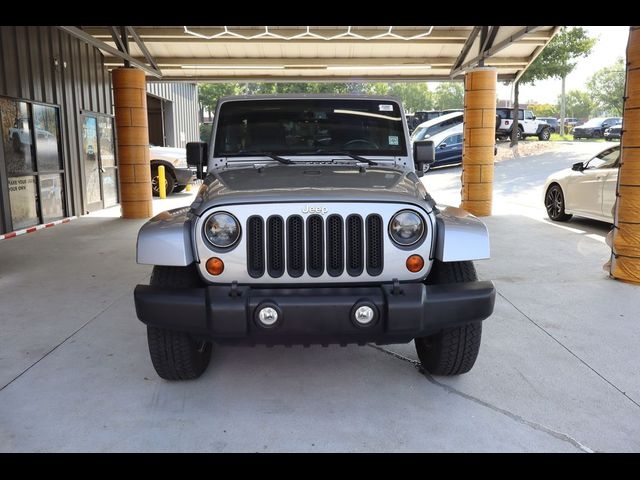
(179,188)
(554,203)
(544,135)
(169,181)
(177,355)
(426,167)
(520,133)
(451,351)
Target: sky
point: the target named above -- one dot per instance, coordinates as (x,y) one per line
(612,43)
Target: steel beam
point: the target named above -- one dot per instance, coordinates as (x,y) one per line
(493,50)
(85,37)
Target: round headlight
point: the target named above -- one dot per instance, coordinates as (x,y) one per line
(406,227)
(222,230)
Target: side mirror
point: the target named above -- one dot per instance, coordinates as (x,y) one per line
(442,145)
(197,156)
(578,167)
(533,117)
(424,153)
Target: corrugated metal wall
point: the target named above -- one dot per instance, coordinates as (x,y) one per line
(28,72)
(184,102)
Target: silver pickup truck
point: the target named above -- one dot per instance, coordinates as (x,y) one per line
(312,226)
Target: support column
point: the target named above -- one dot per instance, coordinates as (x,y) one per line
(479,140)
(130,99)
(625,258)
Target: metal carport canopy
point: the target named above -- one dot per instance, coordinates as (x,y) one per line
(319,53)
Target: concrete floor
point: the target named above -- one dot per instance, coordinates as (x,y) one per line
(558,369)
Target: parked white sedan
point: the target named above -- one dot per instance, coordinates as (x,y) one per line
(587,188)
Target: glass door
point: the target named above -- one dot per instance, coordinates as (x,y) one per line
(91,165)
(100,169)
(108,167)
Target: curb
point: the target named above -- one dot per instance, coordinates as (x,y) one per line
(9,235)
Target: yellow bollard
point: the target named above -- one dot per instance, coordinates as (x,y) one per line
(162,182)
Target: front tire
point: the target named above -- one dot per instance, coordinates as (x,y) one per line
(554,204)
(451,351)
(177,355)
(544,135)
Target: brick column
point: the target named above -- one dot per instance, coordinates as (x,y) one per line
(625,258)
(130,99)
(479,140)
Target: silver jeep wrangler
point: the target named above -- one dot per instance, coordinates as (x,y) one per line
(312,227)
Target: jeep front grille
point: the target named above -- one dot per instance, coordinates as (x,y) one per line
(319,245)
(255,246)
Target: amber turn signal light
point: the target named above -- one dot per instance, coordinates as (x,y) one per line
(215,266)
(415,263)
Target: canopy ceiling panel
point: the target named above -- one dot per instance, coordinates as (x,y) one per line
(319,53)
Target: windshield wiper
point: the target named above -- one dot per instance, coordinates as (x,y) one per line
(348,154)
(272,156)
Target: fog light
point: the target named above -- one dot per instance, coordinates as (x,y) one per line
(268,316)
(364,315)
(215,266)
(415,263)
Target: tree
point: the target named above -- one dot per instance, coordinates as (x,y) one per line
(559,58)
(449,95)
(209,93)
(579,104)
(415,96)
(544,109)
(606,87)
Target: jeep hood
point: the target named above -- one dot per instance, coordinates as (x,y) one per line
(310,183)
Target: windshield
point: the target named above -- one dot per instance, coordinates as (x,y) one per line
(310,126)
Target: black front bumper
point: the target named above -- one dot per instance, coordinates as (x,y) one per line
(319,315)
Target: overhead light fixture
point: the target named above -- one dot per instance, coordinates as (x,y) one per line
(232,67)
(377,67)
(306,67)
(226,33)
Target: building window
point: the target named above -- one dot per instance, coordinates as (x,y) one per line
(35,176)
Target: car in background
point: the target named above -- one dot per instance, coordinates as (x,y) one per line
(446,133)
(571,122)
(528,124)
(595,127)
(177,173)
(613,133)
(448,147)
(553,123)
(587,188)
(428,129)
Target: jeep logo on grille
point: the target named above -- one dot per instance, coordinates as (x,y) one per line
(320,210)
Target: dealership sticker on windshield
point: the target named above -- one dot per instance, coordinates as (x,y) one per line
(385,108)
(393,140)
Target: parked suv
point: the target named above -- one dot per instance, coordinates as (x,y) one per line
(312,227)
(528,125)
(595,127)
